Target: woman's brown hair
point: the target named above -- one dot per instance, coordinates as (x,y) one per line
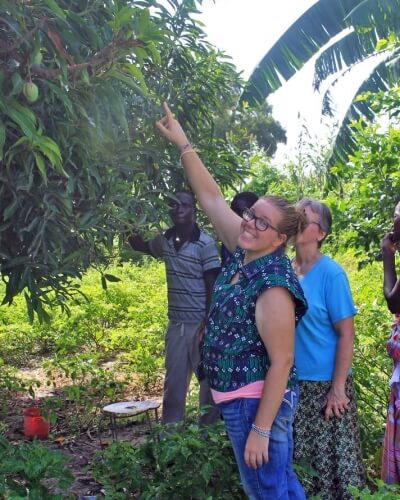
(293,221)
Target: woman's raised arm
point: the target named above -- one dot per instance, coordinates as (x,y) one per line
(224,220)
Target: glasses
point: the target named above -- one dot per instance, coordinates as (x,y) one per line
(260,223)
(313,222)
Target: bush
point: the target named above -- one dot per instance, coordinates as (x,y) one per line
(380,491)
(186,463)
(371,367)
(26,471)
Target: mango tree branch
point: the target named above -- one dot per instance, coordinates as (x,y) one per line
(4,49)
(104,56)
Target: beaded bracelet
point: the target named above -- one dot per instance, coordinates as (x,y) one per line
(261,432)
(185,147)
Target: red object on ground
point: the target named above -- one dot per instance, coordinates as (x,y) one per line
(34,424)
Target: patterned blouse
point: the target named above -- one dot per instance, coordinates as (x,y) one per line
(233,353)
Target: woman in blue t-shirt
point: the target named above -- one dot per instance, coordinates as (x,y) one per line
(326,428)
(247,356)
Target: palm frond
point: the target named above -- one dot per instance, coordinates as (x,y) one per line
(382,15)
(379,79)
(352,48)
(296,46)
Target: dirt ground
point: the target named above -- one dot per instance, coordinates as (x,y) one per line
(79,447)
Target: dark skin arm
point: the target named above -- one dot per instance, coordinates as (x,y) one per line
(139,244)
(209,279)
(391,284)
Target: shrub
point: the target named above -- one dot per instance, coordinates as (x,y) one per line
(26,471)
(186,463)
(371,366)
(380,491)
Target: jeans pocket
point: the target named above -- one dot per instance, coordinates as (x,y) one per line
(284,417)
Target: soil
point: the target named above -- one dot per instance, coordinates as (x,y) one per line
(78,446)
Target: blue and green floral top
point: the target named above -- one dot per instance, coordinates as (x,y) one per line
(233,353)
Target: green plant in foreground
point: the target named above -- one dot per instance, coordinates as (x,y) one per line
(188,462)
(383,491)
(26,469)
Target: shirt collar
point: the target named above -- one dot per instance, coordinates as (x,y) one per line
(255,266)
(172,232)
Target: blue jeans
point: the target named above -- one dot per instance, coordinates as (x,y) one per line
(276,479)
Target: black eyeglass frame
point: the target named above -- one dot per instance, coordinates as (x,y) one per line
(248,215)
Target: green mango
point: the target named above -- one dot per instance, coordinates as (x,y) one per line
(37,58)
(31,91)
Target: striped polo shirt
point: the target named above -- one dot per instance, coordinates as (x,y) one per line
(185,269)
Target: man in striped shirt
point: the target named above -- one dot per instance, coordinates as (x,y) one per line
(192,264)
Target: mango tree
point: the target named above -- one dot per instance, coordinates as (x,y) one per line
(81,84)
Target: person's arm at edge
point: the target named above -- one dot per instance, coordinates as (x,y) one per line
(139,244)
(391,285)
(337,401)
(275,320)
(209,279)
(225,221)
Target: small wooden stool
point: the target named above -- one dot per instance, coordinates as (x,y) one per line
(126,409)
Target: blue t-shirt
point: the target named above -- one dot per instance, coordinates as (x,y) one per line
(328,294)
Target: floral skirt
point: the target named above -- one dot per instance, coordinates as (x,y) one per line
(332,448)
(391,445)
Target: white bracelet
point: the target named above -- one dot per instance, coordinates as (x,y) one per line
(187,151)
(261,432)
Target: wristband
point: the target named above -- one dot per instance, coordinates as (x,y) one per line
(261,432)
(185,147)
(187,151)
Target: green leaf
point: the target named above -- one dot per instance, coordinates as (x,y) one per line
(124,16)
(41,166)
(29,307)
(85,76)
(141,54)
(144,22)
(135,71)
(2,138)
(61,94)
(103,283)
(10,210)
(50,149)
(155,54)
(118,75)
(381,44)
(54,7)
(112,278)
(17,82)
(24,117)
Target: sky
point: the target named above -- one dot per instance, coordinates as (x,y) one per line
(245,30)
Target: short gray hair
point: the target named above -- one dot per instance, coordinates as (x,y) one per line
(325,215)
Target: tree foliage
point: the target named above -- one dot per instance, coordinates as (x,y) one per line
(368,185)
(81,84)
(248,127)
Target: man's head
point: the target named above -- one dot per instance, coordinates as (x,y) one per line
(182,208)
(242,201)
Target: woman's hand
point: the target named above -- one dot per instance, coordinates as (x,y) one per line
(337,403)
(171,129)
(256,450)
